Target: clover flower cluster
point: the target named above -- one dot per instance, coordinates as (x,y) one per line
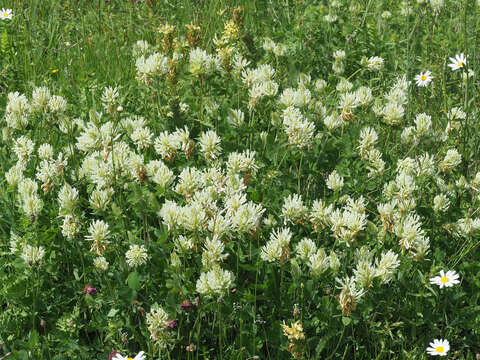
(208,207)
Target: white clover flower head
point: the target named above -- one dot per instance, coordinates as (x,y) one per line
(344,85)
(387,265)
(335,181)
(306,248)
(33,255)
(136,255)
(277,248)
(451,160)
(141,47)
(159,173)
(363,95)
(447,279)
(201,63)
(110,97)
(100,263)
(423,124)
(330,18)
(98,233)
(210,145)
(67,198)
(339,55)
(365,272)
(456,113)
(23,148)
(469,74)
(386,14)
(437,5)
(71,226)
(333,121)
(40,99)
(17,110)
(45,152)
(393,113)
(441,203)
(15,174)
(236,117)
(293,209)
(320,84)
(375,63)
(368,139)
(318,262)
(167,145)
(349,294)
(215,282)
(157,321)
(213,253)
(438,347)
(142,138)
(101,198)
(408,135)
(57,104)
(148,67)
(32,205)
(458,62)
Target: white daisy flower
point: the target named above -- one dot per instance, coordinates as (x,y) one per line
(438,347)
(458,62)
(140,356)
(449,279)
(6,14)
(424,78)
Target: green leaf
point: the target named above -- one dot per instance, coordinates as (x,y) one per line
(133,281)
(346,320)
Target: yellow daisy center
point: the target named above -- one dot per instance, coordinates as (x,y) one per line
(423,78)
(444,279)
(132,358)
(439,349)
(460,64)
(5,15)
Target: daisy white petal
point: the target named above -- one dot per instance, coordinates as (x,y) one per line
(438,347)
(458,62)
(6,14)
(424,78)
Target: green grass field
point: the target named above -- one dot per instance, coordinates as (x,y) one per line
(239,179)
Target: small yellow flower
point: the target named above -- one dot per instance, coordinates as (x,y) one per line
(54,71)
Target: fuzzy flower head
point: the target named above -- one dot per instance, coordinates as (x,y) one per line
(33,255)
(210,145)
(100,263)
(294,332)
(424,78)
(458,62)
(335,181)
(445,279)
(374,63)
(98,234)
(136,255)
(215,282)
(438,347)
(89,289)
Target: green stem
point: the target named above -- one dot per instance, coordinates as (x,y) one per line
(220,329)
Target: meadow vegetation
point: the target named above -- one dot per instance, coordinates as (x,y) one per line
(220,179)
